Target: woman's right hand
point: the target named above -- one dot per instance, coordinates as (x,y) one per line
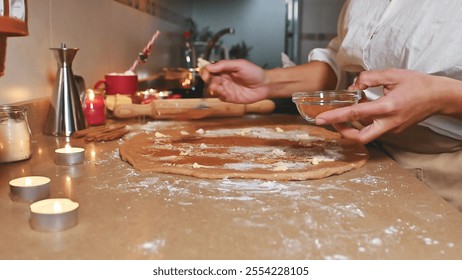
(236,81)
(409,98)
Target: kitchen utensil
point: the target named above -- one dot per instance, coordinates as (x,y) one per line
(189,109)
(65,114)
(311,104)
(143,56)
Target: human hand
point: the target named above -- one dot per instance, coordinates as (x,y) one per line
(409,97)
(237,81)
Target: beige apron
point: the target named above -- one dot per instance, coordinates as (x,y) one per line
(435,159)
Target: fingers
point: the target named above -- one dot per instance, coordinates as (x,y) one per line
(203,72)
(363,135)
(225,66)
(348,131)
(361,111)
(212,73)
(368,79)
(378,111)
(376,78)
(216,85)
(205,75)
(223,89)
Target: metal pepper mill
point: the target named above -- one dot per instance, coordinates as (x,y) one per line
(65,114)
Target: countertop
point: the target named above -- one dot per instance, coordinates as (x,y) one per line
(379,211)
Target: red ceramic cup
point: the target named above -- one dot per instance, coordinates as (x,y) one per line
(116,83)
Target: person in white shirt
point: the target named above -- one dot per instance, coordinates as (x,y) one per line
(406,56)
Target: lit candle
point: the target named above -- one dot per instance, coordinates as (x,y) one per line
(54,214)
(69,155)
(94,107)
(30,189)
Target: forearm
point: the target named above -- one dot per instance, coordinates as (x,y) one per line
(311,76)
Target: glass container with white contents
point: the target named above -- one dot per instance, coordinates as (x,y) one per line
(15,135)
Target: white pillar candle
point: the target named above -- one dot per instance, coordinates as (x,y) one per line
(30,189)
(69,155)
(54,214)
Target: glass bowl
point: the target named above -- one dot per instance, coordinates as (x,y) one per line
(311,104)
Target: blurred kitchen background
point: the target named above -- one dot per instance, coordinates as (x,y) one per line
(111,33)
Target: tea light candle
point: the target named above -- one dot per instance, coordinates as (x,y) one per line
(69,155)
(30,189)
(94,107)
(54,214)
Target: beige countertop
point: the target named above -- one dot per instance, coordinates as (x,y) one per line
(377,212)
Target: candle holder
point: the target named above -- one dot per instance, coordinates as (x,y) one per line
(29,189)
(15,136)
(69,156)
(94,107)
(54,214)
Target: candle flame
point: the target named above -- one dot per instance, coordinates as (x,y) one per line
(91,95)
(68,148)
(57,207)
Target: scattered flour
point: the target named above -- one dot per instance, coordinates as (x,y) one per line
(160,135)
(273,206)
(154,246)
(281,166)
(262,132)
(197,165)
(376,241)
(278,152)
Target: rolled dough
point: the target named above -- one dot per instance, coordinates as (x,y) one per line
(288,152)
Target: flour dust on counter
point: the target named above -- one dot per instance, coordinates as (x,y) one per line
(296,214)
(337,217)
(288,152)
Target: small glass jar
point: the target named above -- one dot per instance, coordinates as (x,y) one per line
(15,135)
(94,107)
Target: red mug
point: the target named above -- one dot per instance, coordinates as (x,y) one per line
(116,83)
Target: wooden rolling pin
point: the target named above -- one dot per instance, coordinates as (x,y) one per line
(191,108)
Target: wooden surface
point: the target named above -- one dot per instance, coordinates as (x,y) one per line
(194,108)
(377,212)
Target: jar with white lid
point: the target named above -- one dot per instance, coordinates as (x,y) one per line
(15,135)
